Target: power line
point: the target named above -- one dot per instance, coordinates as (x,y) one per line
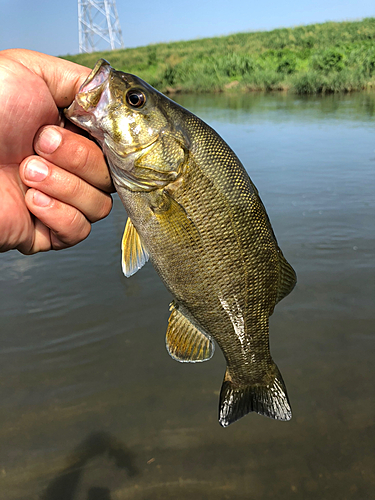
(99,26)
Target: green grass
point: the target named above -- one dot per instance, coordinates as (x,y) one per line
(318,58)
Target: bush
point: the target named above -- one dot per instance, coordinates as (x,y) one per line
(369,62)
(315,83)
(307,83)
(329,60)
(346,81)
(235,64)
(263,80)
(287,65)
(170,75)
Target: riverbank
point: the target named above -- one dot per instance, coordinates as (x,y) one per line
(312,59)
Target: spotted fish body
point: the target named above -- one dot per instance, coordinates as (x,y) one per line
(194,211)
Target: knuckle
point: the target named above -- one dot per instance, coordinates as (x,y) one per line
(76,228)
(75,188)
(78,225)
(72,189)
(79,157)
(57,244)
(101,208)
(105,207)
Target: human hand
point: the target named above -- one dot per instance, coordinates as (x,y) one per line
(48,199)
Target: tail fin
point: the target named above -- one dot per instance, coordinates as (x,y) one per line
(269,398)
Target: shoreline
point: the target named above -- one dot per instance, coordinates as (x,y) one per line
(313,59)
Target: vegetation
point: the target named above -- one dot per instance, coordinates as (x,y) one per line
(317,58)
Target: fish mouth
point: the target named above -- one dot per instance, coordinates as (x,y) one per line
(98,76)
(91,91)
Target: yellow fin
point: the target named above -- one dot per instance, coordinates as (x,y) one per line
(184,341)
(134,255)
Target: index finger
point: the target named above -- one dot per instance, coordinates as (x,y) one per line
(75,153)
(62,77)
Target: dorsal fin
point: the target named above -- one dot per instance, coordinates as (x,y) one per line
(287,278)
(134,255)
(184,341)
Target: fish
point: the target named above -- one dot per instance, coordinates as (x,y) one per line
(195,213)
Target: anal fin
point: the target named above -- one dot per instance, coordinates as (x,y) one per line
(134,255)
(184,341)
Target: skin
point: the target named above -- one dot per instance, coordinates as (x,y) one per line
(54,181)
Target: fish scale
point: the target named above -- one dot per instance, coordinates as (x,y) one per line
(193,210)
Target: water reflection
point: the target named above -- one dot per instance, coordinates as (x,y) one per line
(282,106)
(96,446)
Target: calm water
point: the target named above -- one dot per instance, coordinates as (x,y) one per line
(93,408)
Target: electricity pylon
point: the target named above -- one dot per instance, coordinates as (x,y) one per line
(99,26)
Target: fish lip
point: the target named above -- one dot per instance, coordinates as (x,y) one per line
(91,89)
(98,76)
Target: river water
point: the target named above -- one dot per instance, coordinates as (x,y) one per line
(93,408)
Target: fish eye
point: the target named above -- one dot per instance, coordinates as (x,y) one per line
(135,98)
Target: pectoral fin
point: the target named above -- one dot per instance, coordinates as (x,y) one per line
(174,220)
(134,255)
(184,341)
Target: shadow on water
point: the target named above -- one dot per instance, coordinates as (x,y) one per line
(99,444)
(99,494)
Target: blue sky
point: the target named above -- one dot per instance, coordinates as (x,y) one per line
(51,26)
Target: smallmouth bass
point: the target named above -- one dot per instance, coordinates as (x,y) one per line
(193,210)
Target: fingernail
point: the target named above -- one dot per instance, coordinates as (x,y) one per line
(41,199)
(36,170)
(48,141)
